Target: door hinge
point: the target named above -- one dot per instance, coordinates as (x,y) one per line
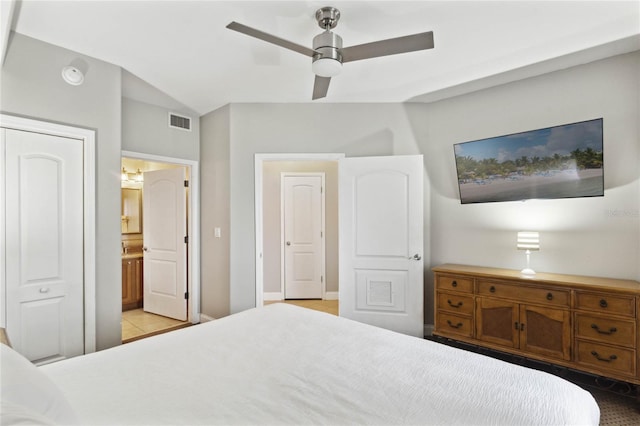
(186,239)
(321,278)
(186,183)
(321,234)
(186,295)
(321,189)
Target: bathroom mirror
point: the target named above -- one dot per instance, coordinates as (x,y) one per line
(131,211)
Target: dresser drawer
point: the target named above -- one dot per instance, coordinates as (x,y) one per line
(600,302)
(454,283)
(607,330)
(458,303)
(448,323)
(524,294)
(611,358)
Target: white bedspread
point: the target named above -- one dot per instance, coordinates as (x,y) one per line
(287,365)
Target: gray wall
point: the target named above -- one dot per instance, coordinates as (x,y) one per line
(588,236)
(247,129)
(591,236)
(145,129)
(215,211)
(32,87)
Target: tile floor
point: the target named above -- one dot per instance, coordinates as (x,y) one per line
(137,324)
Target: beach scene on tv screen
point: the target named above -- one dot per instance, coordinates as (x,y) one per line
(557,162)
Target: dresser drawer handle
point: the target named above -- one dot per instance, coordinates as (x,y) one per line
(454,283)
(603,303)
(549,296)
(599,358)
(458,325)
(456,305)
(611,330)
(492,289)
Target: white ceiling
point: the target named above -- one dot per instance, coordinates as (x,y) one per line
(183,49)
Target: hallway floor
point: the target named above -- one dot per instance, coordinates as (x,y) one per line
(328,306)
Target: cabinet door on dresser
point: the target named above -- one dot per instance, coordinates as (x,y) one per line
(535,329)
(545,331)
(497,322)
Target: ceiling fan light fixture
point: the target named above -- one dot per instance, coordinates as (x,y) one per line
(326,67)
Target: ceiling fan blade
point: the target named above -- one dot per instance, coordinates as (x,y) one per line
(391,46)
(320,87)
(271,38)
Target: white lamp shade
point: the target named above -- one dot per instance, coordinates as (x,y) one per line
(528,240)
(326,67)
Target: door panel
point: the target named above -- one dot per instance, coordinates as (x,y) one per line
(497,322)
(302,223)
(545,331)
(165,249)
(44,245)
(381,242)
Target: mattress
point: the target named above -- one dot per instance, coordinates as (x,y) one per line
(282,364)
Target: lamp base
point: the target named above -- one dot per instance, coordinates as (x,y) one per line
(528,271)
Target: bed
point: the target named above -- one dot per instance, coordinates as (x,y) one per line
(283,364)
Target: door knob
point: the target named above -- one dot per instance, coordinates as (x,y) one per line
(44,290)
(288,243)
(415,257)
(145,249)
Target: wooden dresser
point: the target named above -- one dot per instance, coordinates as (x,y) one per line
(586,323)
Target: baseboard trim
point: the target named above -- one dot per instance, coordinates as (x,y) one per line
(331,295)
(272,296)
(206,318)
(428,329)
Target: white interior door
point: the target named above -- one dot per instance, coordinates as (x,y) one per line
(381,242)
(44,244)
(303,235)
(164,214)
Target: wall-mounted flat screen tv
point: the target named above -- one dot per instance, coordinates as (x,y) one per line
(556,162)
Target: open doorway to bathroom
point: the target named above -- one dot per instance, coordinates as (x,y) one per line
(141,317)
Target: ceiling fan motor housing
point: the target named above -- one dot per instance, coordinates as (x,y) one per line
(327,61)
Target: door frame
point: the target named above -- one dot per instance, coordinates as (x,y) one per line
(87,137)
(193,229)
(259,159)
(323,267)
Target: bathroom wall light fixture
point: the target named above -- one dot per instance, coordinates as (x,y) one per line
(529,241)
(131,177)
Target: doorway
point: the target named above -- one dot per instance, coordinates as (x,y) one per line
(268,169)
(136,322)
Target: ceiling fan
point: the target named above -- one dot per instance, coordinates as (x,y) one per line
(328,54)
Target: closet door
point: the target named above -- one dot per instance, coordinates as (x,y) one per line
(44,244)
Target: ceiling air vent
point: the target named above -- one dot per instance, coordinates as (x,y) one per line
(179,122)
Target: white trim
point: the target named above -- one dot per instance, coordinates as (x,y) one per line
(331,295)
(276,295)
(88,140)
(259,160)
(206,318)
(194,225)
(323,267)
